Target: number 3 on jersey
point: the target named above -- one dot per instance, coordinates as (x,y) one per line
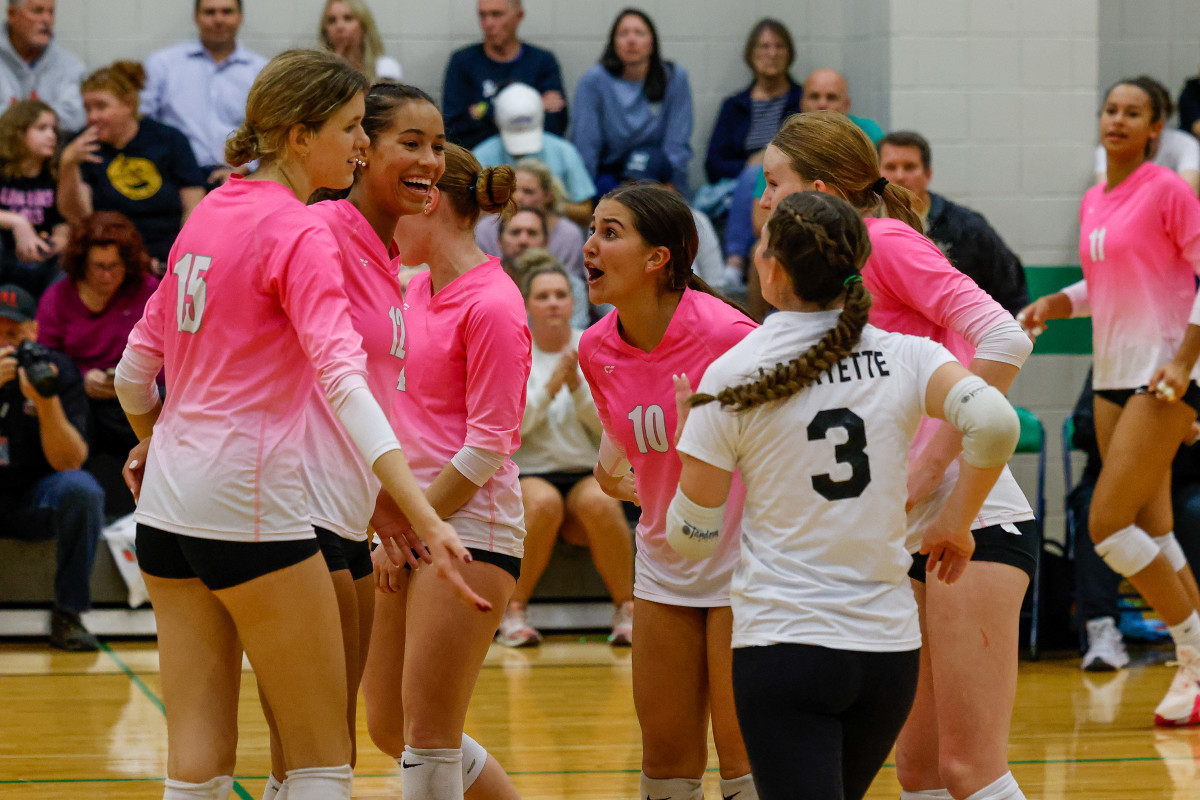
(853,452)
(192,291)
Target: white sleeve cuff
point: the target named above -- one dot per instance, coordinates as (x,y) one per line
(134,382)
(476,464)
(365,422)
(1077,293)
(1005,343)
(612,458)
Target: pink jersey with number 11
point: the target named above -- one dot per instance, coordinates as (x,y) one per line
(635,397)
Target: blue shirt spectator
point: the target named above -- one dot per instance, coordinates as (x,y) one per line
(477,72)
(200,87)
(749,119)
(32,65)
(633,104)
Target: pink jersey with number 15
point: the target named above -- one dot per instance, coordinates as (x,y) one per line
(251,303)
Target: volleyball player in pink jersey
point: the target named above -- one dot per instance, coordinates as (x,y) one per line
(224,538)
(1139,244)
(466,364)
(639,259)
(955,742)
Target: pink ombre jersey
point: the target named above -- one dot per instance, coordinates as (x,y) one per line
(635,398)
(1140,249)
(341,486)
(252,301)
(915,290)
(466,366)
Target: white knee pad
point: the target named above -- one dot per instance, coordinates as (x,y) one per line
(672,788)
(215,789)
(271,791)
(1168,545)
(319,783)
(1003,788)
(927,794)
(1128,551)
(473,759)
(742,788)
(432,774)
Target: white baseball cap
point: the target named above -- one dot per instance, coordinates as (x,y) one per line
(519,115)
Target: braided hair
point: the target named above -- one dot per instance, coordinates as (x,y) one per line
(821,243)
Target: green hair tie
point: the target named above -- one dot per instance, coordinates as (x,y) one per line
(852,279)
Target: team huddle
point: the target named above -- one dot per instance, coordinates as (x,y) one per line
(831,551)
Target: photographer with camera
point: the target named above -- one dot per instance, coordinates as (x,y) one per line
(43,492)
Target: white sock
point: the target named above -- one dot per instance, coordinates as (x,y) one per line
(215,789)
(431,774)
(319,783)
(271,792)
(283,792)
(1187,632)
(927,794)
(742,788)
(672,788)
(474,757)
(1003,788)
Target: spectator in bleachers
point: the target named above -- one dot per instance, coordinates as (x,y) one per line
(519,115)
(348,28)
(199,87)
(525,231)
(32,232)
(123,162)
(32,65)
(827,90)
(540,188)
(560,439)
(477,72)
(88,316)
(750,118)
(963,235)
(633,106)
(43,492)
(1170,148)
(1189,107)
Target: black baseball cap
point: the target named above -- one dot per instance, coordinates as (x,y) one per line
(16,303)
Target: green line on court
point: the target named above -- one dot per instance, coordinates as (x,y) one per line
(153,698)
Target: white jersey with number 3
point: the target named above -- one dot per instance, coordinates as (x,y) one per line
(823,560)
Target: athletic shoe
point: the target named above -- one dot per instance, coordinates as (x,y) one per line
(1181,706)
(622,626)
(68,633)
(515,631)
(1106,647)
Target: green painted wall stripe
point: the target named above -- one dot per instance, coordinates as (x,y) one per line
(1064,336)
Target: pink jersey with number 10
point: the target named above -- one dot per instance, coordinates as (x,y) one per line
(251,303)
(635,398)
(341,485)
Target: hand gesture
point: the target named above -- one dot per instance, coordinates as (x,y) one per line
(388,562)
(553,101)
(31,248)
(949,550)
(1170,381)
(84,148)
(135,467)
(565,370)
(683,390)
(98,385)
(1032,318)
(448,553)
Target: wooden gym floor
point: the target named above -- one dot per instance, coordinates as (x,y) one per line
(560,718)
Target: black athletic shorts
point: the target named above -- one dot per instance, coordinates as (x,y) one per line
(998,546)
(562,480)
(510,564)
(342,553)
(219,563)
(1121,396)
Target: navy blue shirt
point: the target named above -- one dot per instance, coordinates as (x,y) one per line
(27,462)
(473,79)
(142,181)
(727,151)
